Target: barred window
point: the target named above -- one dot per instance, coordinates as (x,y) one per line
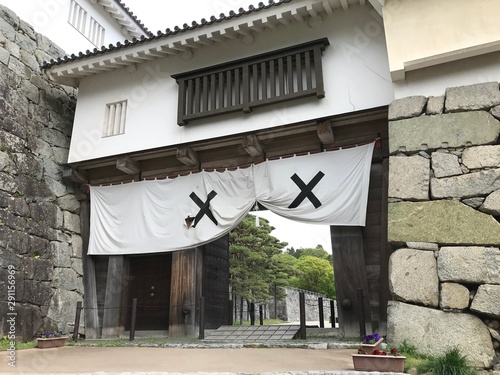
(96,33)
(77,17)
(87,26)
(114,118)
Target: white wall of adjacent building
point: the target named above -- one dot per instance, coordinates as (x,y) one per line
(355,70)
(433,45)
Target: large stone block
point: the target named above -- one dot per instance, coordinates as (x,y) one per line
(28,321)
(467,185)
(409,177)
(433,332)
(37,292)
(62,308)
(67,279)
(445,222)
(487,300)
(491,204)
(435,105)
(445,165)
(472,265)
(454,129)
(411,106)
(472,97)
(71,222)
(481,157)
(453,296)
(409,267)
(61,254)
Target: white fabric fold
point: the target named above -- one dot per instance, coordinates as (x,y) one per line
(329,188)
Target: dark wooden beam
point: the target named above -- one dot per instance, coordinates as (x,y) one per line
(185,293)
(325,133)
(127,165)
(252,145)
(350,275)
(89,277)
(187,156)
(75,175)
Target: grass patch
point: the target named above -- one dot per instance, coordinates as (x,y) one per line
(452,362)
(5,344)
(413,358)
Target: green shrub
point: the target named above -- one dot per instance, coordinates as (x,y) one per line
(452,362)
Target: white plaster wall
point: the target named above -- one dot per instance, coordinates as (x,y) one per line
(50,18)
(355,69)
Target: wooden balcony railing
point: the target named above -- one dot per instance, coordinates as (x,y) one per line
(242,85)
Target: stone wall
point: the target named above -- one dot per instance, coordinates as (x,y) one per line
(39,222)
(311,306)
(444,211)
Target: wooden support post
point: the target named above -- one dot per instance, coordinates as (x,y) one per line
(261,315)
(77,320)
(185,293)
(111,327)
(230,315)
(332,313)
(133,318)
(302,309)
(252,313)
(361,313)
(385,294)
(350,275)
(89,280)
(321,313)
(201,335)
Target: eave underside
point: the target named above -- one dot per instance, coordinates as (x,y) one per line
(238,150)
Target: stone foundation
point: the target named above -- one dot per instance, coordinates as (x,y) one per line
(444,210)
(39,222)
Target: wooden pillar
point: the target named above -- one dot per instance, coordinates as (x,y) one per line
(89,280)
(185,293)
(112,325)
(384,250)
(350,275)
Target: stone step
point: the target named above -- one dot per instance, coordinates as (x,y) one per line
(254,334)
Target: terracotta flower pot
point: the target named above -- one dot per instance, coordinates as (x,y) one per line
(51,342)
(382,363)
(369,348)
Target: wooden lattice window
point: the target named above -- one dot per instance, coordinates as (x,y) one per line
(242,85)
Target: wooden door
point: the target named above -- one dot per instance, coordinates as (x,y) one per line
(150,280)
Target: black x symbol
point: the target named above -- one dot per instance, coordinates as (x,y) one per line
(306,190)
(204,207)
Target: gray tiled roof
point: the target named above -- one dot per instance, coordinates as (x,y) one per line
(160,34)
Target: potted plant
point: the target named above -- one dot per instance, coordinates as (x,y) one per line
(379,360)
(371,342)
(51,340)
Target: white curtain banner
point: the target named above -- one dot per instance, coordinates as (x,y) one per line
(329,188)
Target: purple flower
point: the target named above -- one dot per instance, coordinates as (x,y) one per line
(371,339)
